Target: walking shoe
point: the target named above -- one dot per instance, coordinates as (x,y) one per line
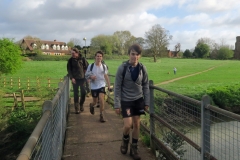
(102,119)
(81,108)
(91,109)
(76,105)
(134,151)
(124,145)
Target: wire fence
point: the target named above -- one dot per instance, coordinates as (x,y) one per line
(46,141)
(183,128)
(192,130)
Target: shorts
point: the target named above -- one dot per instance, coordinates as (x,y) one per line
(132,108)
(95,92)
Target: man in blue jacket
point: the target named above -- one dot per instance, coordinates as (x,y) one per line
(131,98)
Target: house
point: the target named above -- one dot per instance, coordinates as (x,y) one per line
(174,53)
(47,47)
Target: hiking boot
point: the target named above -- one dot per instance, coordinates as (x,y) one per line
(124,145)
(76,105)
(134,151)
(91,109)
(81,108)
(102,119)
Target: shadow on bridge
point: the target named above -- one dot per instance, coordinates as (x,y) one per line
(89,139)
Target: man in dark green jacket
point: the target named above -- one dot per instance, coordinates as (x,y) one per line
(76,68)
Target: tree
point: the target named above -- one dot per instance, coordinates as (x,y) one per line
(70,44)
(10,56)
(211,43)
(157,40)
(187,53)
(106,43)
(123,37)
(75,41)
(78,47)
(202,50)
(224,53)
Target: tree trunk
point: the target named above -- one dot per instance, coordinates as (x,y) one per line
(155,58)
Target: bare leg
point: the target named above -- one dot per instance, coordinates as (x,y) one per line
(127,125)
(136,127)
(101,102)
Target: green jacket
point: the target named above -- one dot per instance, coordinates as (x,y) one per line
(77,67)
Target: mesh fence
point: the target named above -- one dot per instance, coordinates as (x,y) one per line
(51,138)
(177,125)
(180,129)
(222,134)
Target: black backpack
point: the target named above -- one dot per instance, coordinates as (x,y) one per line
(91,67)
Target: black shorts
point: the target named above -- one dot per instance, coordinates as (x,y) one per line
(95,92)
(132,108)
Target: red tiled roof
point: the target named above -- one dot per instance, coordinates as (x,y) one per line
(29,43)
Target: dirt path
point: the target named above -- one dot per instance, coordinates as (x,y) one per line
(176,79)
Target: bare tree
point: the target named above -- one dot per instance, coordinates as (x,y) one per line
(75,41)
(177,49)
(157,40)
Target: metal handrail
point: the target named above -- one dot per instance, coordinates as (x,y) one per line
(48,116)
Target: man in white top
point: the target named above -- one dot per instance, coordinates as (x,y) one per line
(97,73)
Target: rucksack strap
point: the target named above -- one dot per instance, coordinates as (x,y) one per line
(125,70)
(91,67)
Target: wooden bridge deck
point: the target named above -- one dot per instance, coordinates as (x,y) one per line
(88,139)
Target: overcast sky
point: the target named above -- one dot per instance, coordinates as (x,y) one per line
(186,20)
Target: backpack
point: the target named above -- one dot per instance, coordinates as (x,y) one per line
(91,67)
(125,70)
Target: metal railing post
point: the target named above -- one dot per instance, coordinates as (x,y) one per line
(151,110)
(205,129)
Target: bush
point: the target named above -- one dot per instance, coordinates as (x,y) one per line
(22,121)
(49,58)
(107,56)
(227,97)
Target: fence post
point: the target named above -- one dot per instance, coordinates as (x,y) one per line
(11,83)
(23,100)
(49,83)
(4,82)
(152,123)
(205,129)
(19,83)
(28,83)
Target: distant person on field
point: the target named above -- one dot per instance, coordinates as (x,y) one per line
(76,67)
(174,70)
(131,98)
(98,75)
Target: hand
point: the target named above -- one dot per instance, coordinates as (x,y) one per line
(146,108)
(93,77)
(73,81)
(110,89)
(117,111)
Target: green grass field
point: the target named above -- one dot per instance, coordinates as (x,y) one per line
(224,73)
